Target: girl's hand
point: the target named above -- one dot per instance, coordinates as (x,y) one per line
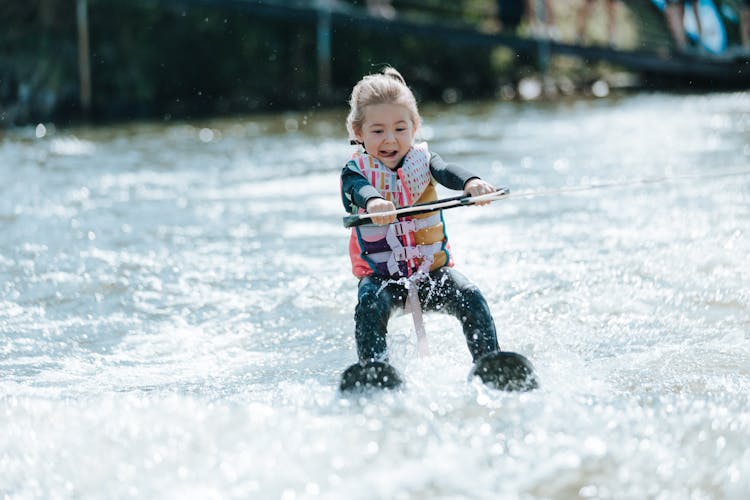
(375,205)
(478,187)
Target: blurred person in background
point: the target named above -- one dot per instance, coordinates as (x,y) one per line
(674,10)
(542,21)
(510,13)
(585,12)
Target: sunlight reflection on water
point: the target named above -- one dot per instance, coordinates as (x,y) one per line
(177,307)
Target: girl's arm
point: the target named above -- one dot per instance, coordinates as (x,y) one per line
(356,191)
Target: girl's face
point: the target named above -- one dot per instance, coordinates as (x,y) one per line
(387,133)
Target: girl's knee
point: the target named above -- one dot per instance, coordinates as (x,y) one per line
(472,298)
(369,300)
(474,311)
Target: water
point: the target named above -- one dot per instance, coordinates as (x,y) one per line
(176,309)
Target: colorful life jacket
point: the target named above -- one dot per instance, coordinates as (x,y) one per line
(411,244)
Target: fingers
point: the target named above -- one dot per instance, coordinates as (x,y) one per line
(478,187)
(376,205)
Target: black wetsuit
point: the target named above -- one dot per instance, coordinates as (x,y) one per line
(445,290)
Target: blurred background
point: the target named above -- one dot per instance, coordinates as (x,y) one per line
(67,60)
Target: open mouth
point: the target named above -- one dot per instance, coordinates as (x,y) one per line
(388,154)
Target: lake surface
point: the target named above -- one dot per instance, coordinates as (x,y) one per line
(176,308)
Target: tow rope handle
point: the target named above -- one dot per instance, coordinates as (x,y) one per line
(429,206)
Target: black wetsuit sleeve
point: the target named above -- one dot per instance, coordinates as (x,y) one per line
(356,190)
(449,175)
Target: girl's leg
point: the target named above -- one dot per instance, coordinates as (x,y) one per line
(584,12)
(611,23)
(697,14)
(449,291)
(371,317)
(675,12)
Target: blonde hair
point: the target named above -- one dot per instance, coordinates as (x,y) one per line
(387,87)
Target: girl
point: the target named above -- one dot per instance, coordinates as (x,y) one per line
(405,259)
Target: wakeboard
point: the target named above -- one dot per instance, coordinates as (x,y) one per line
(503,370)
(374,374)
(506,371)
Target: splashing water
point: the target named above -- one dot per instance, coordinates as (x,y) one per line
(176,309)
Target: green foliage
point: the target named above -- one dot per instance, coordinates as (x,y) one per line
(173,59)
(180,61)
(38,75)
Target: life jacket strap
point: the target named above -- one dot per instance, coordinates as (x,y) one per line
(407,253)
(423,251)
(404,227)
(411,226)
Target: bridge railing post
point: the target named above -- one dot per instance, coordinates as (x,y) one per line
(543,51)
(323,46)
(84,56)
